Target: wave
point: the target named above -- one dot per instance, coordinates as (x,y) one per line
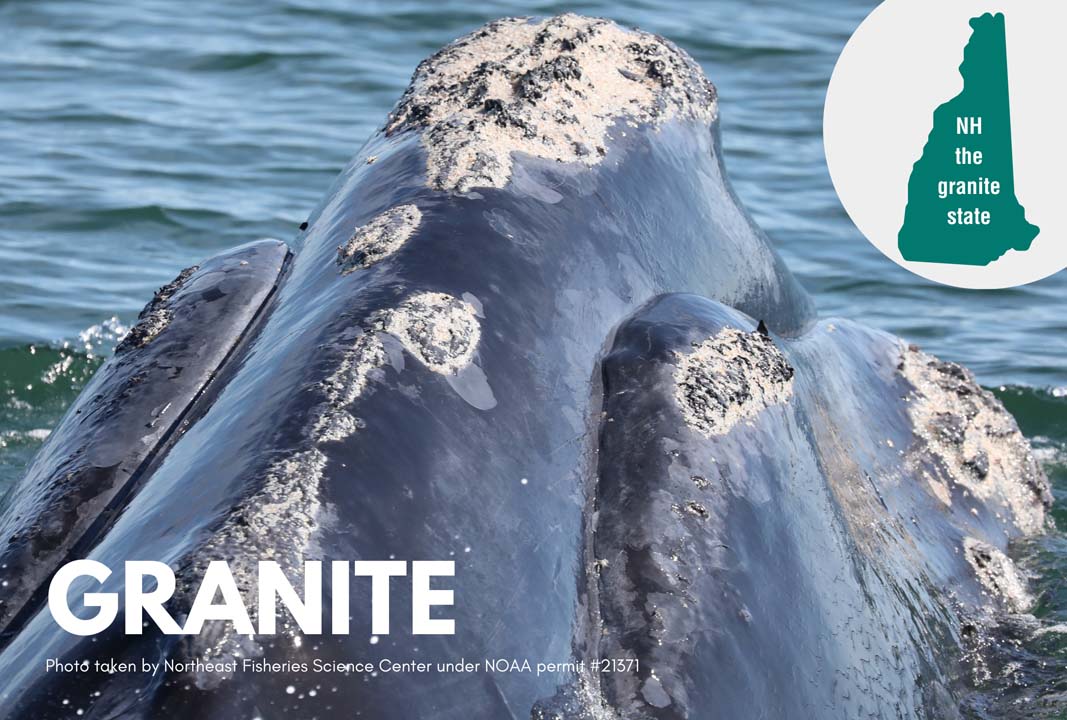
(232,61)
(1040,412)
(37,385)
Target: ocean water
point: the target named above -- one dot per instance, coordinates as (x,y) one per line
(139,138)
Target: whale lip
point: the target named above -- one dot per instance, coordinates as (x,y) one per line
(83,476)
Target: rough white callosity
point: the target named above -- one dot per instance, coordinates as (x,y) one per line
(379,238)
(998,575)
(156,316)
(976,441)
(547,88)
(730,378)
(280,520)
(441,331)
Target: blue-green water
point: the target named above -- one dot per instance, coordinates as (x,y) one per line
(138,138)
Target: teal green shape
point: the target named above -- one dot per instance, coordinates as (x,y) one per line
(927,235)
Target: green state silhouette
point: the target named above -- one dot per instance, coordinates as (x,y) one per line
(978,119)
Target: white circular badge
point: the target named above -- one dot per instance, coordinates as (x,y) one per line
(944,134)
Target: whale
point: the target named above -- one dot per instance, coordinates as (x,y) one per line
(532,331)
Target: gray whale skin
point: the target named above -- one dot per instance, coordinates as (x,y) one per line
(531,330)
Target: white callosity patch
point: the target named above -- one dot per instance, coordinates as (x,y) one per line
(379,238)
(975,440)
(156,316)
(730,378)
(583,699)
(283,510)
(998,575)
(279,521)
(329,422)
(333,421)
(441,331)
(286,504)
(549,88)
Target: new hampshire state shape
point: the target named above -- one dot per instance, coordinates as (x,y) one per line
(926,235)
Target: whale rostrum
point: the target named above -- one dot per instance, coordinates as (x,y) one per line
(530,331)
